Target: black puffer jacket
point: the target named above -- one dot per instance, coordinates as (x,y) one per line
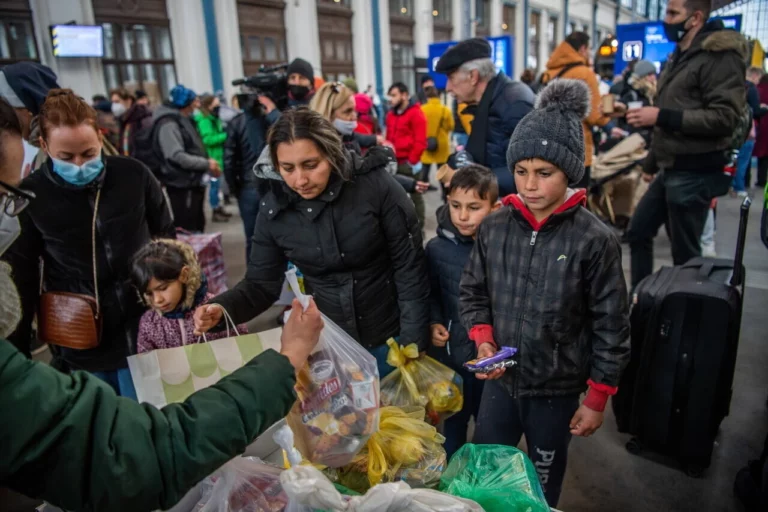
(358,245)
(57,228)
(447,254)
(239,154)
(555,291)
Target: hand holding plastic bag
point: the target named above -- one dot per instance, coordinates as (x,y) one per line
(421,381)
(307,486)
(500,478)
(338,396)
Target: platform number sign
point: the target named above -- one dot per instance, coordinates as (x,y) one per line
(632,50)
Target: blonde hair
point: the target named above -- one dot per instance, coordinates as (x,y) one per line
(330,98)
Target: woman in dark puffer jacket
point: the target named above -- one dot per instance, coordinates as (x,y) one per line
(350,229)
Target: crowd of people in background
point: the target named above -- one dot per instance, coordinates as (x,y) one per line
(333,181)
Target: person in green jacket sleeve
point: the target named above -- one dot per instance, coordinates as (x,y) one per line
(213,135)
(70,440)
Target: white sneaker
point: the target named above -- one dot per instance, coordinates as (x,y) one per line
(742,194)
(708,250)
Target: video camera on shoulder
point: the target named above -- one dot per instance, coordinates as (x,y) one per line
(271,81)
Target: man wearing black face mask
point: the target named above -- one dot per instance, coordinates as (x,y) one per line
(301,83)
(699,105)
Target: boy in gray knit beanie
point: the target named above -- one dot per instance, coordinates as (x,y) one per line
(545,277)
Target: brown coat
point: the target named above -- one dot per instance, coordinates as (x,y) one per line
(564,55)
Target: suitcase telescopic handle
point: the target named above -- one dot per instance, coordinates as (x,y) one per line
(738,261)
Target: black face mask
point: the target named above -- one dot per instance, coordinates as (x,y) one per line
(675,32)
(215,111)
(299,92)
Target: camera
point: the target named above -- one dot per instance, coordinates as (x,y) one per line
(270,81)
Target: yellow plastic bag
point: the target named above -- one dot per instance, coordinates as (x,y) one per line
(421,381)
(404,448)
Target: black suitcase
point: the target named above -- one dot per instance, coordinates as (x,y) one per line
(685,325)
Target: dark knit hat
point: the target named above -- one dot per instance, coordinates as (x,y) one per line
(303,68)
(644,68)
(465,51)
(182,97)
(553,131)
(26,84)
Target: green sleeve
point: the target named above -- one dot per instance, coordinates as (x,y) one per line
(71,441)
(211,132)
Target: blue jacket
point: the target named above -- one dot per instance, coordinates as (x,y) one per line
(510,102)
(446,255)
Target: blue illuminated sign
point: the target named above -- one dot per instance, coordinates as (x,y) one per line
(502,52)
(648,41)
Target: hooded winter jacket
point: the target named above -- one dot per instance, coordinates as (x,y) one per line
(555,290)
(701,96)
(447,254)
(564,55)
(56,227)
(407,131)
(212,135)
(358,245)
(184,160)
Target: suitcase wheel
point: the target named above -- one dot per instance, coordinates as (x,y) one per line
(634,446)
(694,470)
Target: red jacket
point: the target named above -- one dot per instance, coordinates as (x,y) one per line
(408,133)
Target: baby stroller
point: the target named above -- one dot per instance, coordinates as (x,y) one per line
(617,185)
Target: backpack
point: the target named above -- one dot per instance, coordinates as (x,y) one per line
(146,147)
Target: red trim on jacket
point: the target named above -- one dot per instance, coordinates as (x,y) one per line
(597,396)
(482,333)
(579,197)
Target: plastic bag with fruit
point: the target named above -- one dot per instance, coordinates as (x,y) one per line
(421,381)
(499,478)
(337,408)
(405,449)
(243,484)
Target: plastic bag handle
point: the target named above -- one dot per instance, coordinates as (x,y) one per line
(227,322)
(293,282)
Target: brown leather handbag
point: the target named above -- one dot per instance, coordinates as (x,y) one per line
(72,320)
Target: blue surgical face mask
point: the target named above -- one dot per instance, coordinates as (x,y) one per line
(78,175)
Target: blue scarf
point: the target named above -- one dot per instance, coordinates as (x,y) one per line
(200,294)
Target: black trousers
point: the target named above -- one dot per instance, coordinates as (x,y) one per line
(187,206)
(762,170)
(680,199)
(545,421)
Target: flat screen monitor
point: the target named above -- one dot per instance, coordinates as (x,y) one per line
(77,40)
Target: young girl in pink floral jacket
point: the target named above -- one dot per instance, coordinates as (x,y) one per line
(172,284)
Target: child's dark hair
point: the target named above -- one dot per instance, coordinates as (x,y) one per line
(159,260)
(478,178)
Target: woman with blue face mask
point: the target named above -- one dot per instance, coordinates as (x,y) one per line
(91,215)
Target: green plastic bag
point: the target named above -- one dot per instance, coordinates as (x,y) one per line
(500,478)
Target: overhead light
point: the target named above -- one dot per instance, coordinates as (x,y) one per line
(504,26)
(615,43)
(435,13)
(403,10)
(337,1)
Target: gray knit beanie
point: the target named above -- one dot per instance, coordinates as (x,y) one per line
(553,131)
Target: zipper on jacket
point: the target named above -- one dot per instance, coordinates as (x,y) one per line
(517,340)
(534,234)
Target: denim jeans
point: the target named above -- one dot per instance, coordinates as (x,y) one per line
(743,163)
(248,201)
(120,380)
(213,193)
(380,353)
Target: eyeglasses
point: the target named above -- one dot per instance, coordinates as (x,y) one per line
(14,200)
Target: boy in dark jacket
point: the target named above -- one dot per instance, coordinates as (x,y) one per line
(545,277)
(474,194)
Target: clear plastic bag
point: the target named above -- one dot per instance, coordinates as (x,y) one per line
(421,381)
(500,478)
(405,449)
(338,396)
(307,486)
(244,484)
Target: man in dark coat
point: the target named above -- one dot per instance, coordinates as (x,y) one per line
(497,102)
(699,104)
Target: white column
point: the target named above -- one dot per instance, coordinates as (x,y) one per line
(423,30)
(190,45)
(497,17)
(302,33)
(362,44)
(85,76)
(230,53)
(458,19)
(543,40)
(473,17)
(386,45)
(521,59)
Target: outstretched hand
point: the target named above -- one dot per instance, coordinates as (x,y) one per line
(487,350)
(206,317)
(301,332)
(586,421)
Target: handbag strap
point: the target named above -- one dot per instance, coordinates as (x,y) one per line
(93,246)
